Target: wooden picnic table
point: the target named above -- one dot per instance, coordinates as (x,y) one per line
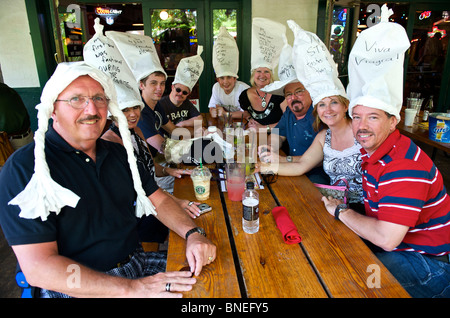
(343,261)
(331,261)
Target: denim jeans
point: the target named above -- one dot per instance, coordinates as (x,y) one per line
(421,276)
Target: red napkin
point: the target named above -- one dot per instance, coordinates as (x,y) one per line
(285,225)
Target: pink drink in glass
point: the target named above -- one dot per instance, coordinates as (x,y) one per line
(235,188)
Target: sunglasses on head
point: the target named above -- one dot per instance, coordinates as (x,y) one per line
(179,90)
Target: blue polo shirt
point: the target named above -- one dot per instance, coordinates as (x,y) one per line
(102,229)
(299,133)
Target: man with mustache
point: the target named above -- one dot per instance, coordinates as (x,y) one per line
(407,208)
(296,127)
(72,220)
(179,109)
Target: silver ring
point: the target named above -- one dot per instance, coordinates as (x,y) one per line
(190,203)
(168,287)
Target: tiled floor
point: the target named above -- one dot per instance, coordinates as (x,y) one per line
(9,289)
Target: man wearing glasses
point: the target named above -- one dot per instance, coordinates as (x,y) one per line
(71,220)
(179,110)
(176,105)
(296,127)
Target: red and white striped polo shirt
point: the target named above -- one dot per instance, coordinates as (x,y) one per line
(402,185)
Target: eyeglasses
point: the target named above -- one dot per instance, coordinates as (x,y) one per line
(80,102)
(178,90)
(298,93)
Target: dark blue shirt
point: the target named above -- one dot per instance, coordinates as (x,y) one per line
(101,230)
(151,120)
(298,132)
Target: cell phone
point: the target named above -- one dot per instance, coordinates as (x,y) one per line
(204,208)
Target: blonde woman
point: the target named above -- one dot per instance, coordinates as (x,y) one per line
(265,109)
(334,147)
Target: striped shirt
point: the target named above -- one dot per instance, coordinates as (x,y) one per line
(402,185)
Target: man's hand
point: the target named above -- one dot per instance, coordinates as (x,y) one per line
(158,285)
(199,252)
(331,204)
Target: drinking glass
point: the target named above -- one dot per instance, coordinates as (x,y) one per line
(235,180)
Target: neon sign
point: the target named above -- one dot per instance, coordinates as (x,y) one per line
(425,15)
(108,14)
(437,30)
(107,11)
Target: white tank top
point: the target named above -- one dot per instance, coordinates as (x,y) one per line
(344,164)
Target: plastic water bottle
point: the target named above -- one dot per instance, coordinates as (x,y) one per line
(250,202)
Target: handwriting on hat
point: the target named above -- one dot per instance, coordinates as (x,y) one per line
(220,49)
(104,55)
(267,48)
(375,48)
(317,60)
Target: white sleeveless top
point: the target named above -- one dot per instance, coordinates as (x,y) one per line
(344,164)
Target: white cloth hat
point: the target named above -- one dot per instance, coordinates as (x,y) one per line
(225,57)
(314,66)
(139,52)
(102,53)
(375,66)
(189,69)
(42,194)
(268,38)
(286,73)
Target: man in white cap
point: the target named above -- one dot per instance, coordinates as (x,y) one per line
(227,90)
(296,123)
(179,110)
(153,117)
(72,222)
(407,209)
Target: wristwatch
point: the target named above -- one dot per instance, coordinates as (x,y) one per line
(338,210)
(289,158)
(195,230)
